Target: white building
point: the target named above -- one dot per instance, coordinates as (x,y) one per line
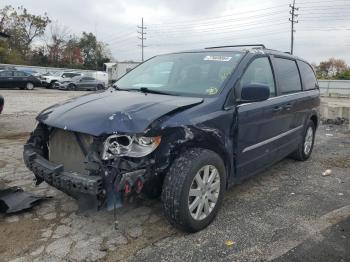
(118,69)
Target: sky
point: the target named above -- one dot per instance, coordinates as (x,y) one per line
(322,31)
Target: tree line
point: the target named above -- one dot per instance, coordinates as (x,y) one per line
(37,40)
(333,68)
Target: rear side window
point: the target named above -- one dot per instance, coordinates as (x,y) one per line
(307,76)
(5,73)
(287,75)
(259,72)
(19,73)
(70,75)
(87,79)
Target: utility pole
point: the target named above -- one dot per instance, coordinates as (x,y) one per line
(292,21)
(141,37)
(96,46)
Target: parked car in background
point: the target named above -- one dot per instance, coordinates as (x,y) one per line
(186,126)
(7,68)
(80,83)
(16,78)
(99,75)
(2,102)
(32,72)
(49,79)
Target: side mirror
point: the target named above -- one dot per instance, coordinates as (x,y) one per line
(254,93)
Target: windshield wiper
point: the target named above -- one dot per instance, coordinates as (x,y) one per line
(143,90)
(152,91)
(119,89)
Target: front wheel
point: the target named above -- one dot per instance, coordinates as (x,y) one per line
(193,189)
(72,87)
(51,85)
(305,147)
(29,86)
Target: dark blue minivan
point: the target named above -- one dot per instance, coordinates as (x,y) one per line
(184,126)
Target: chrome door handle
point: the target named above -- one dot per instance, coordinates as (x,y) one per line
(277,109)
(288,106)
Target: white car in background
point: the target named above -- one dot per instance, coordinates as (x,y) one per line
(48,80)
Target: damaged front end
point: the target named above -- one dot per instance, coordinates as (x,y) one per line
(99,171)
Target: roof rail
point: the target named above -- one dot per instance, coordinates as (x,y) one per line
(224,46)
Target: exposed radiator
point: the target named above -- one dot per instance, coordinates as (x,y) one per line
(64,149)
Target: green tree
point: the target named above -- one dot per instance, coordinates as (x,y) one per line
(93,52)
(331,68)
(343,75)
(23,27)
(9,56)
(58,37)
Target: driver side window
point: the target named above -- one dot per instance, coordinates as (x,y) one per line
(259,72)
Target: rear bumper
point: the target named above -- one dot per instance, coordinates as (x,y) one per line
(55,175)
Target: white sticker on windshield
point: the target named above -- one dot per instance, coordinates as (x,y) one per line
(217,58)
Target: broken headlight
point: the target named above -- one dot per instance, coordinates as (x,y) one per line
(133,146)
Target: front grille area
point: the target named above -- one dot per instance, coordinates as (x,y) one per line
(64,149)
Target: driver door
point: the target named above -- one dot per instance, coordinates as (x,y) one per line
(259,123)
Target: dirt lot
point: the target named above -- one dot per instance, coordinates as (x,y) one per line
(288,213)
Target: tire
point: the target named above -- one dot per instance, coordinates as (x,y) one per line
(181,178)
(72,87)
(99,87)
(29,86)
(303,152)
(50,86)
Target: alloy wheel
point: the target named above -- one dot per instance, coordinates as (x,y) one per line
(308,140)
(30,86)
(204,192)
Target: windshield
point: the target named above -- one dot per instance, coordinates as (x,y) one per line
(198,74)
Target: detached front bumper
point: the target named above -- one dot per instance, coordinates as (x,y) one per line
(55,175)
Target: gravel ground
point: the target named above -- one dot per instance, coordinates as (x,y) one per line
(288,213)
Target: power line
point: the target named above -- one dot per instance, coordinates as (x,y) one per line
(118,33)
(320,19)
(191,21)
(235,21)
(322,2)
(120,40)
(226,38)
(218,20)
(292,21)
(141,37)
(230,29)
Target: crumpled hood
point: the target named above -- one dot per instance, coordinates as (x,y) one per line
(113,111)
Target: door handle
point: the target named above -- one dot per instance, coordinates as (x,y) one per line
(277,109)
(288,106)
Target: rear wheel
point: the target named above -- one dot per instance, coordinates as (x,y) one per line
(193,189)
(29,86)
(305,147)
(99,87)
